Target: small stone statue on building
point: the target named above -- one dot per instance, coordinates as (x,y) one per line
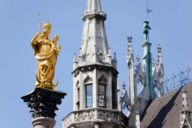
(46,52)
(146,31)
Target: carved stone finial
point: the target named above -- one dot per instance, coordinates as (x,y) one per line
(129,43)
(129,38)
(130,57)
(158,73)
(159,48)
(159,56)
(124,86)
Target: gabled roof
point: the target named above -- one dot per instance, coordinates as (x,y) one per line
(164,112)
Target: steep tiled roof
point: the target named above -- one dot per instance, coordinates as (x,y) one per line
(164,112)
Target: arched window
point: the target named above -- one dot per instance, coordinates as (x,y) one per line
(102,95)
(88,92)
(102,92)
(89,95)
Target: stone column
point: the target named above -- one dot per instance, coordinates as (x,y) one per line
(43,122)
(43,104)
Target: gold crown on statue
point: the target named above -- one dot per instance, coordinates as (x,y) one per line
(47,25)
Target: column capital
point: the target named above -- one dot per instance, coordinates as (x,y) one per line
(43,102)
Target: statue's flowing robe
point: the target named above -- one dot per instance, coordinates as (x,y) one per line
(46,56)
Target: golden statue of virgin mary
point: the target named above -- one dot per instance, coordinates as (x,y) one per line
(46,52)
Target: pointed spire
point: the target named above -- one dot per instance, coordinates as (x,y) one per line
(131,73)
(130,57)
(94,48)
(94,5)
(147,63)
(158,74)
(160,65)
(125,101)
(93,10)
(159,55)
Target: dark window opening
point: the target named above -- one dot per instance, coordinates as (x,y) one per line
(102,95)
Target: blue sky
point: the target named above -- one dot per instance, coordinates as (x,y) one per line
(171,23)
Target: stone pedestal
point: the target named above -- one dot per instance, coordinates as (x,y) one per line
(43,104)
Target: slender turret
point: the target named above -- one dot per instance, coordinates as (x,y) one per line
(147,63)
(95,77)
(143,74)
(130,63)
(94,48)
(94,53)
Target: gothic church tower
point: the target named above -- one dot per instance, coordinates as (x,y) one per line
(95,99)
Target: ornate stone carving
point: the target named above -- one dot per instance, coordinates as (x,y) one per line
(185,113)
(95,115)
(84,115)
(43,102)
(107,115)
(68,121)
